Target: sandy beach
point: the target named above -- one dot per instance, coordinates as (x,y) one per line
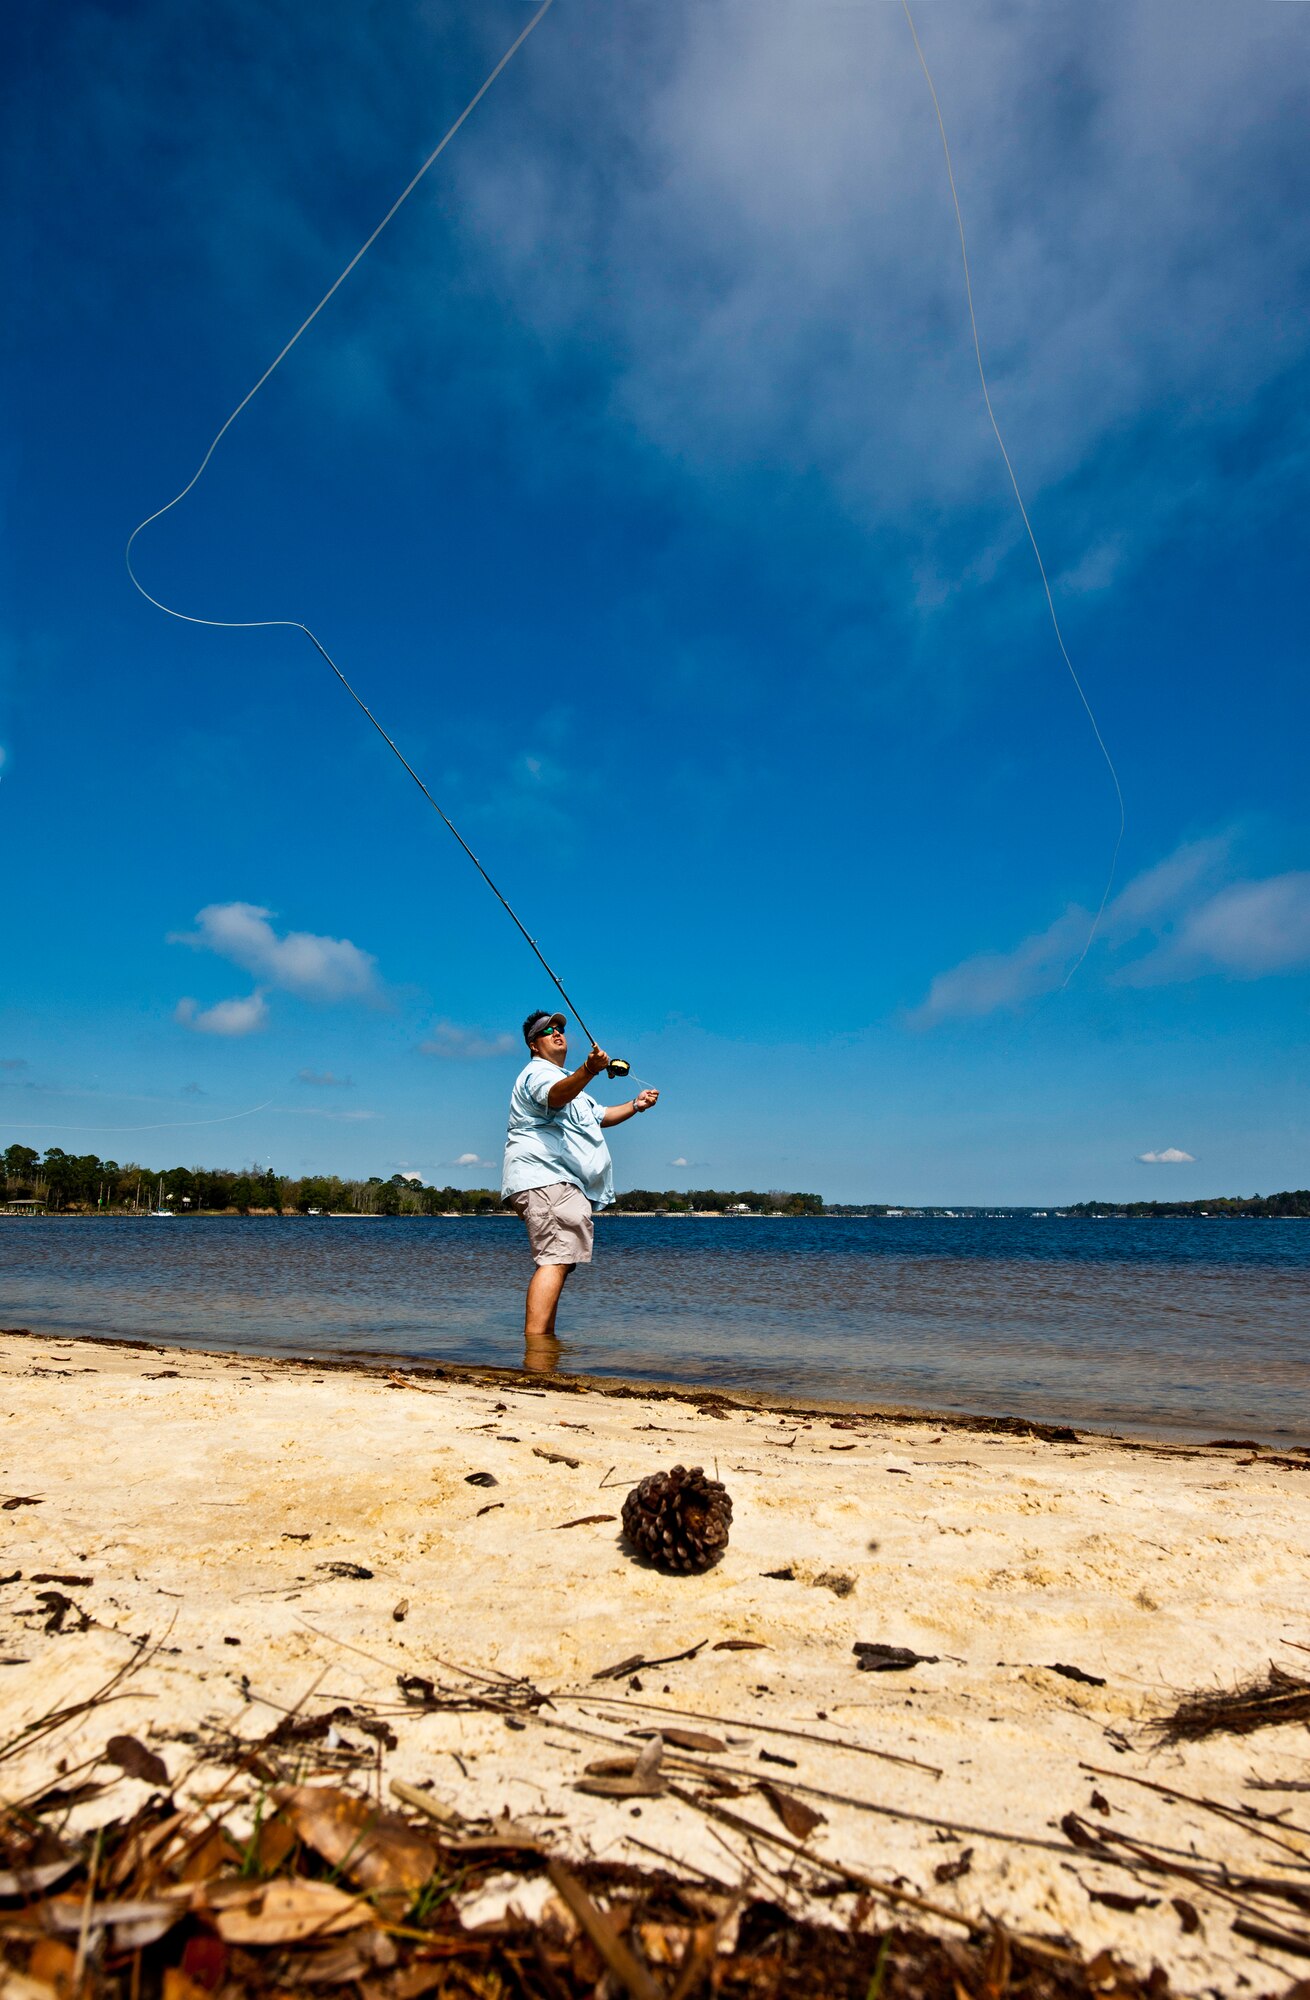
(293,1535)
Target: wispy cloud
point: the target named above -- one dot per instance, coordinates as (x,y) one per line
(993,979)
(324,1080)
(455,1044)
(299,962)
(750,259)
(726,235)
(226,1017)
(1172,1156)
(1247,930)
(1180,917)
(13,1062)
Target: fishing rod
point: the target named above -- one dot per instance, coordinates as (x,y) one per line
(618,1067)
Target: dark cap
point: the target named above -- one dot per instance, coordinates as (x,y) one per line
(540,1024)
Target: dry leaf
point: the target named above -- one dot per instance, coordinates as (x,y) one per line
(290,1911)
(377,1848)
(799,1819)
(686,1739)
(951,1871)
(215,1851)
(628,1778)
(585,1521)
(556,1457)
(880,1659)
(1077,1833)
(54,1962)
(740,1646)
(177,1986)
(131,1755)
(29,1882)
(21,1986)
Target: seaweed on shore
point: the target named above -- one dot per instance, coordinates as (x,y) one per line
(1261,1703)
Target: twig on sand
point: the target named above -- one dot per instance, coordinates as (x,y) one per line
(886,1891)
(1254,1822)
(637,1661)
(88,1903)
(34,1731)
(633,1977)
(764,1728)
(1220,1882)
(403,1382)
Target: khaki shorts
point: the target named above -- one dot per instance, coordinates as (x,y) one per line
(559,1223)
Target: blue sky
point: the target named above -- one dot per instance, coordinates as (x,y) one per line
(640,479)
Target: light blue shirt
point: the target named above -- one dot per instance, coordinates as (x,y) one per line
(544,1146)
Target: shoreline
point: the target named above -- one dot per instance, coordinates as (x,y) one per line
(264,1519)
(381,1363)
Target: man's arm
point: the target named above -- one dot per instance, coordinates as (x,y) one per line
(568,1087)
(619,1114)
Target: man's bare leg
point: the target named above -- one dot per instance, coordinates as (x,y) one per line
(548,1281)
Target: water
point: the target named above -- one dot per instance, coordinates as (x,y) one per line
(1184,1328)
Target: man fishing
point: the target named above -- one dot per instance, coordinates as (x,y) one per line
(558,1167)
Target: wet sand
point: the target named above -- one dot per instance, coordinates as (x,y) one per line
(206,1496)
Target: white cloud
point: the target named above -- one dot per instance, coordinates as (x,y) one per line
(758,239)
(324,1080)
(678,1163)
(456,1044)
(1170,1157)
(468,1160)
(995,979)
(300,962)
(227,1017)
(1248,930)
(1191,922)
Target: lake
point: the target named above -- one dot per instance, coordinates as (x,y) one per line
(1168,1328)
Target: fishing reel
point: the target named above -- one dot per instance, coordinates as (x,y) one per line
(618,1067)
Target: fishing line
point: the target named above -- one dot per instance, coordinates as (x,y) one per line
(618,1067)
(1023,511)
(169,1125)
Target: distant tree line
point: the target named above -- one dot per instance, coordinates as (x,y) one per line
(82,1183)
(1293,1202)
(680,1201)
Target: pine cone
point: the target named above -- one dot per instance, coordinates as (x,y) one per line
(678,1520)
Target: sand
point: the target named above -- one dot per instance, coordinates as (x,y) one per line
(204,1494)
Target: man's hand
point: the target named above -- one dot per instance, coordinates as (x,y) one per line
(569,1087)
(618,1114)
